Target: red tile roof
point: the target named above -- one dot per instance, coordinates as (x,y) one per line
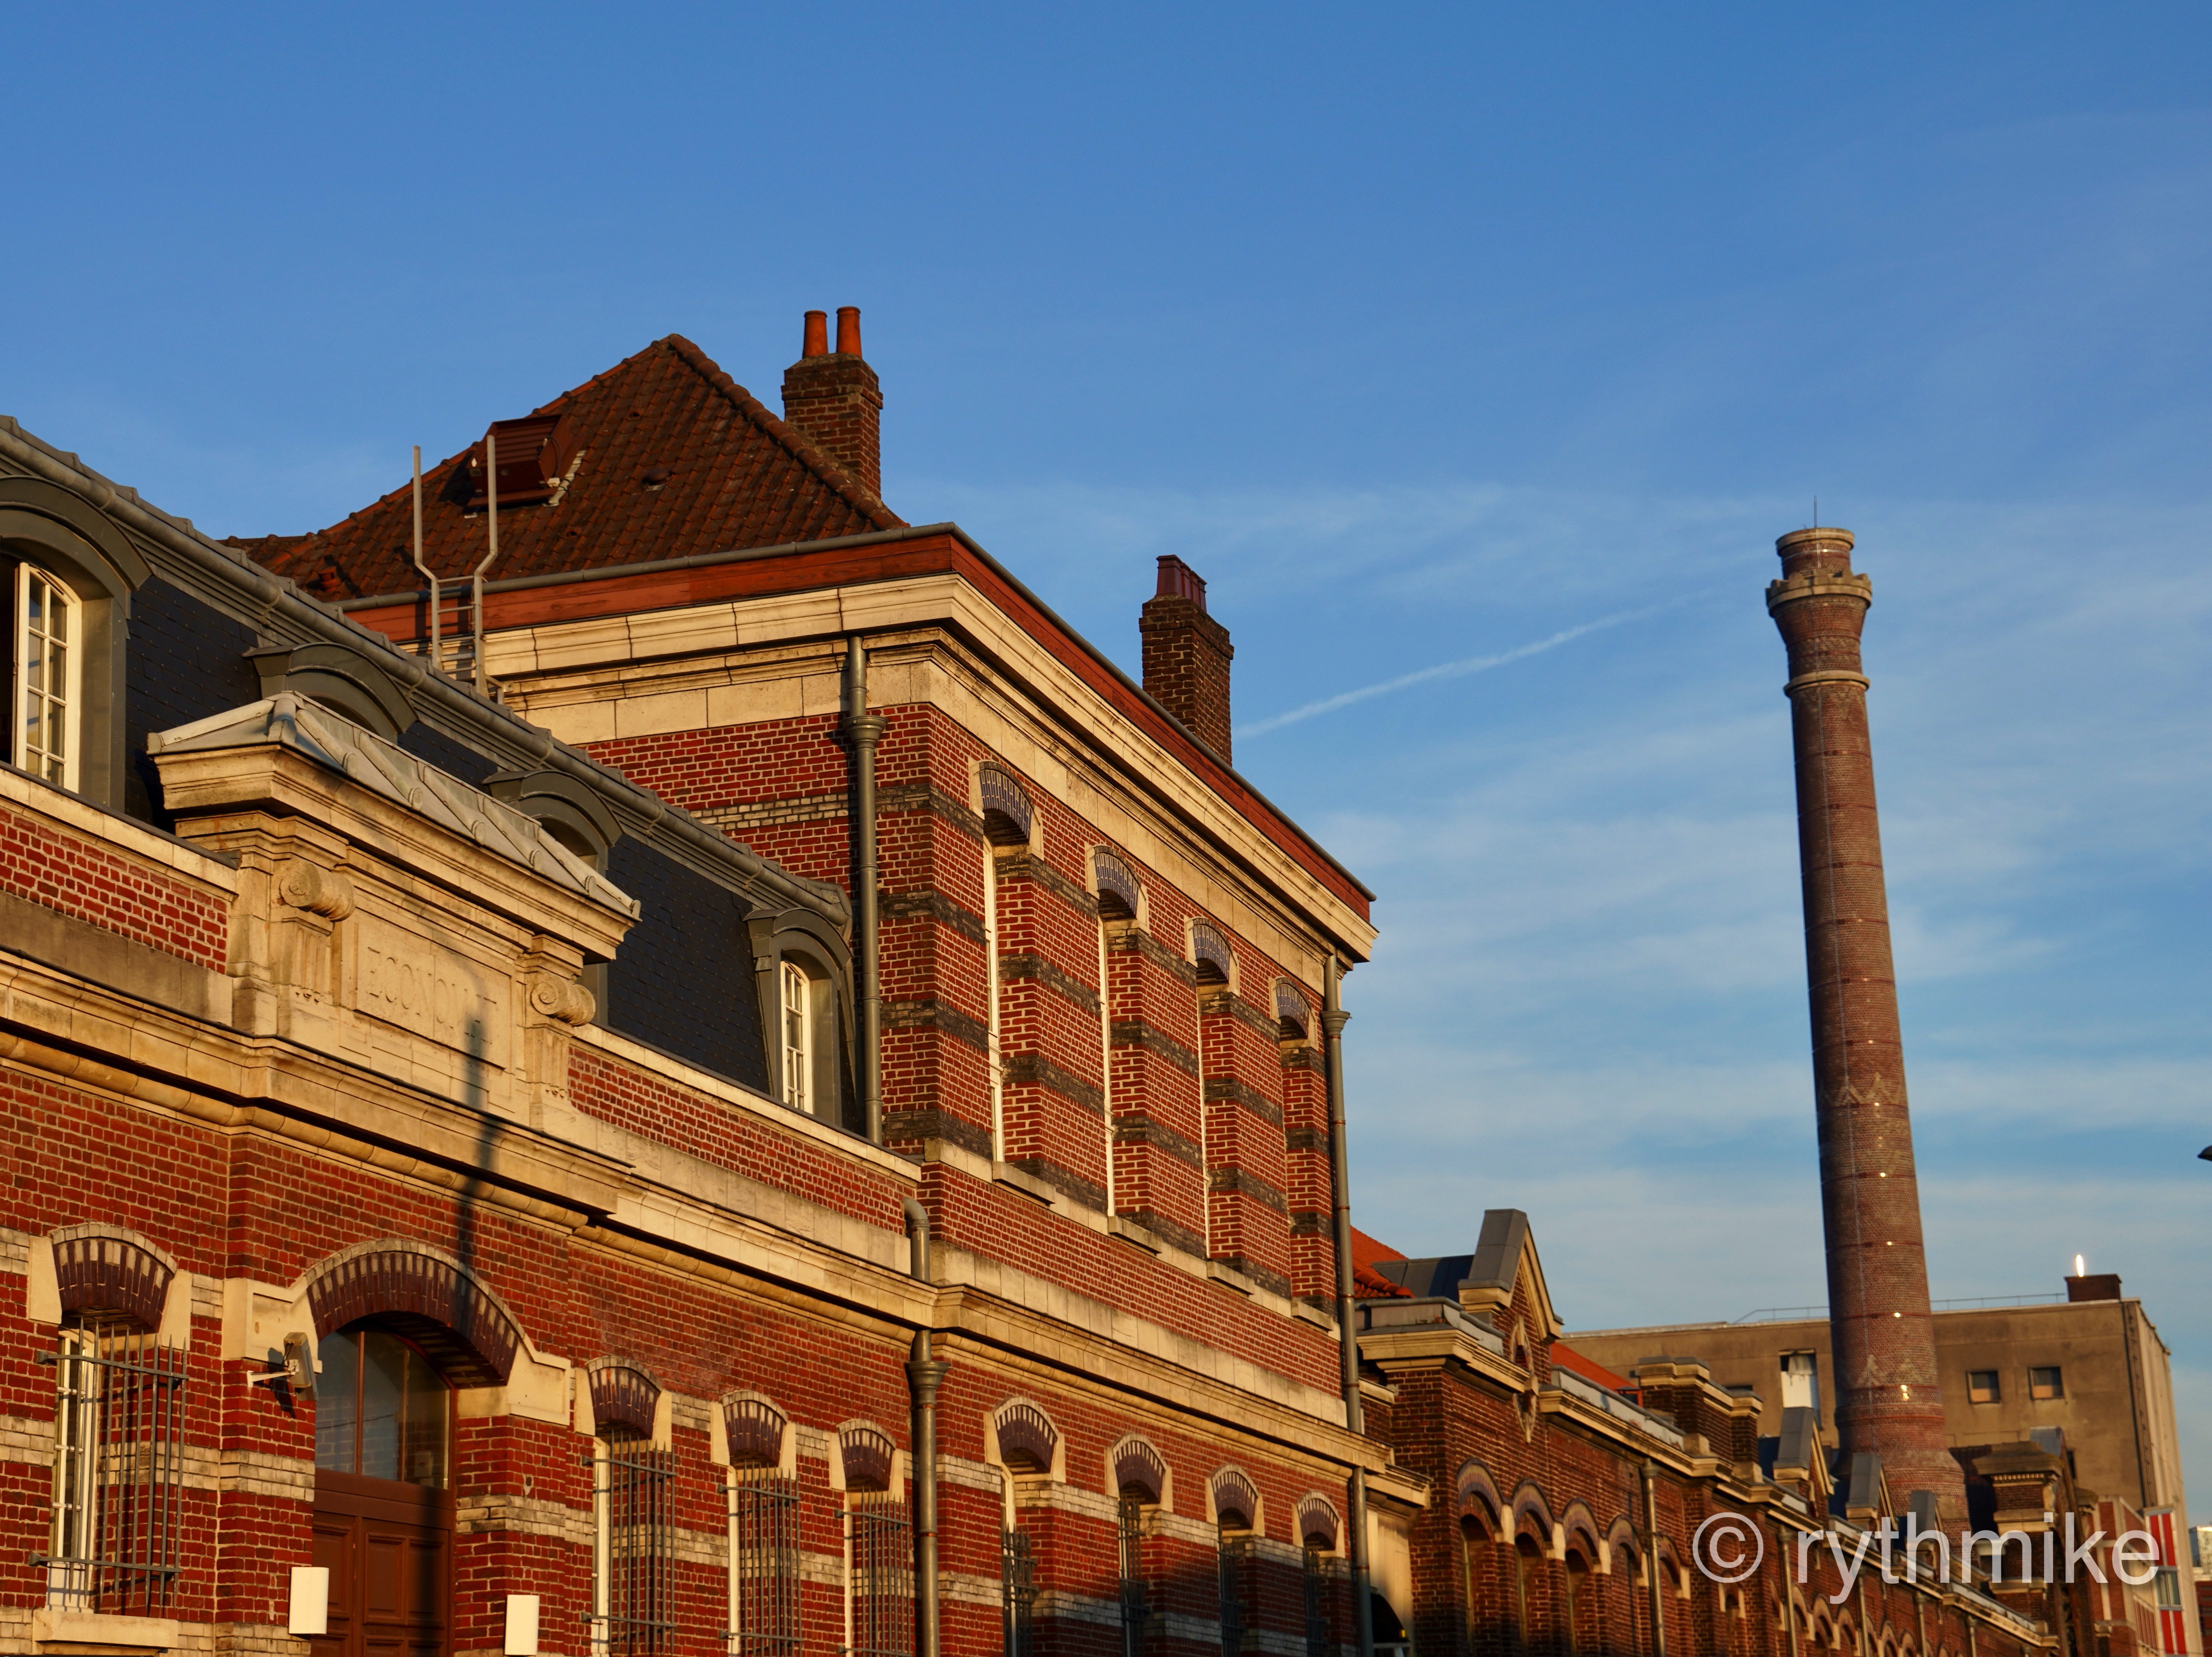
(1564,1357)
(737,477)
(1367,1283)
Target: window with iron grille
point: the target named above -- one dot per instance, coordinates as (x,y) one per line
(1133,1576)
(1318,1575)
(632,1614)
(879,1585)
(1233,1553)
(763,1563)
(119,1472)
(1017,1592)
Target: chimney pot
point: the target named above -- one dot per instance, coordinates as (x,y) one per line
(1179,581)
(835,398)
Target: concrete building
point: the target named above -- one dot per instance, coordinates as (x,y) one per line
(2089,1366)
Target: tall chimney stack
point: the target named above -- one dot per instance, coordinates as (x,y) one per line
(1888,1396)
(833,396)
(1187,656)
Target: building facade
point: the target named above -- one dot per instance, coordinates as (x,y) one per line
(626,1055)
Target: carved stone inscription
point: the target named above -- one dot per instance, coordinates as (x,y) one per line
(435,991)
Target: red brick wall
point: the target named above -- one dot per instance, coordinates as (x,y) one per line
(267,1208)
(89,882)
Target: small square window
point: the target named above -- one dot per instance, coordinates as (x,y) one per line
(1982,1386)
(2046,1383)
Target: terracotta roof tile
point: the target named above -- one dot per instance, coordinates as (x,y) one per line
(738,476)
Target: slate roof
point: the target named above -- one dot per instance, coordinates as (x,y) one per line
(737,477)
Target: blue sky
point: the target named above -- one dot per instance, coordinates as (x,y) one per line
(1429,336)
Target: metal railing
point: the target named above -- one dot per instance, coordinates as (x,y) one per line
(1963,1303)
(633,1614)
(881,1581)
(1320,1577)
(1132,1515)
(119,1472)
(1232,1554)
(1017,1594)
(763,1565)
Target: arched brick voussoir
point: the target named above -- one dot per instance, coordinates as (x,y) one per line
(456,1317)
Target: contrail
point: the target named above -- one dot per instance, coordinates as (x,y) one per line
(1442,671)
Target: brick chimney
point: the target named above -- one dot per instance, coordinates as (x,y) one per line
(1187,656)
(833,396)
(1889,1398)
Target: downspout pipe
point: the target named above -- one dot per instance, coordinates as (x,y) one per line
(1651,1562)
(1333,1018)
(927,1372)
(864,731)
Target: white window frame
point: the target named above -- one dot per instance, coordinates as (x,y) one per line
(67,704)
(76,1529)
(795,1034)
(995,1056)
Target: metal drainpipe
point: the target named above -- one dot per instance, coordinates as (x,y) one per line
(866,730)
(928,1374)
(428,575)
(1651,1562)
(1333,1018)
(1789,1595)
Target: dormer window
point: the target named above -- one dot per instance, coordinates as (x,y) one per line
(535,454)
(45,630)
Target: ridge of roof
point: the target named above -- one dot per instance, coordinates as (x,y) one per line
(804,449)
(765,482)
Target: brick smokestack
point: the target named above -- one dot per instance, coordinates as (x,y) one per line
(1888,1396)
(1187,656)
(833,396)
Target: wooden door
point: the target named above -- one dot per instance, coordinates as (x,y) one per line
(389,1548)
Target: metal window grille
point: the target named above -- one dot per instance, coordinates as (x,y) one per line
(119,1472)
(1132,1577)
(1232,1556)
(881,1581)
(1317,1577)
(633,1614)
(1017,1594)
(763,1565)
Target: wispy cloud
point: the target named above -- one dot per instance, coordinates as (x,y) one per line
(1441,671)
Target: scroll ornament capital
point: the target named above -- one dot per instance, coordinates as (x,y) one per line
(561,999)
(303,885)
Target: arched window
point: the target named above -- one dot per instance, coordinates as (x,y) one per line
(764,1536)
(805,979)
(879,1542)
(1119,899)
(1139,1479)
(112,1543)
(634,1545)
(1119,893)
(1210,953)
(382,1411)
(69,574)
